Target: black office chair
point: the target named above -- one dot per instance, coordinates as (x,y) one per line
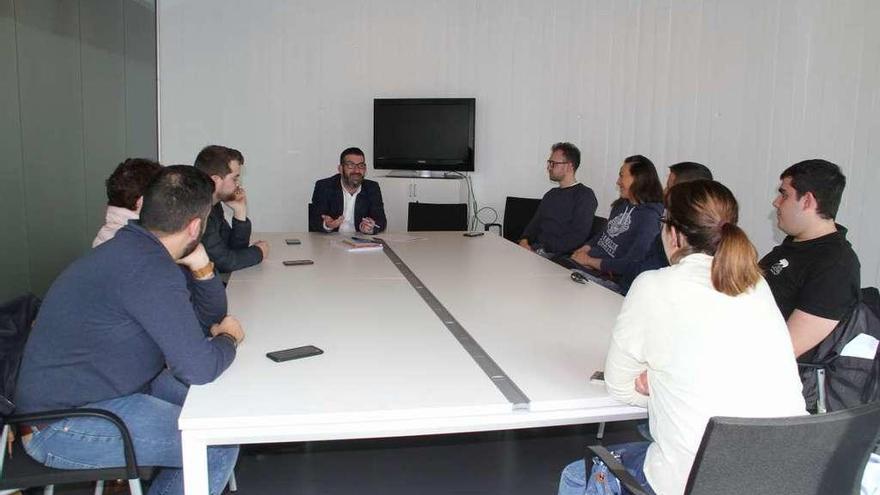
(598,226)
(310,220)
(437,216)
(564,260)
(833,381)
(518,212)
(807,455)
(20,471)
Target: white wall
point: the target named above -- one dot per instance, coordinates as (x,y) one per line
(746,87)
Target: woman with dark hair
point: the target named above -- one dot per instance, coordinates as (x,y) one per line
(633,224)
(682,335)
(125,195)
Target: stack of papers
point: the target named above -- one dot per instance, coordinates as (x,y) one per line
(361,245)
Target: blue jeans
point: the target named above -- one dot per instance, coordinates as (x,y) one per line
(84,443)
(632,455)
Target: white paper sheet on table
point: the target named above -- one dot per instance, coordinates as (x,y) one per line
(361,249)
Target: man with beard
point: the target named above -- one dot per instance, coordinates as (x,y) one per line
(565,215)
(124,329)
(346,202)
(228,246)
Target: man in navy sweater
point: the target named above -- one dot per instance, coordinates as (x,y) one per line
(126,329)
(565,215)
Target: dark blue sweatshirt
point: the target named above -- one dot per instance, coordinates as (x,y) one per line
(113,320)
(563,220)
(627,238)
(654,259)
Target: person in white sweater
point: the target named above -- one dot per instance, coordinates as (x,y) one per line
(698,339)
(125,195)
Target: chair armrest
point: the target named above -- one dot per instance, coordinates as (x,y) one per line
(131,466)
(486,227)
(814,366)
(4,438)
(615,467)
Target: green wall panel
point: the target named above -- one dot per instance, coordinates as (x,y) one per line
(103,89)
(14,275)
(140,82)
(52,134)
(77,96)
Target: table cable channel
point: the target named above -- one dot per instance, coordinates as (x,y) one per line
(503,382)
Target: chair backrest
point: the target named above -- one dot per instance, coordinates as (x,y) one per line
(310,221)
(807,455)
(849,380)
(437,216)
(518,212)
(598,226)
(16,318)
(871,298)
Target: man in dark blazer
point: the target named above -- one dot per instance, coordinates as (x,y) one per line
(228,246)
(346,202)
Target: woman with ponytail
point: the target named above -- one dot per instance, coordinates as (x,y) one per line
(698,339)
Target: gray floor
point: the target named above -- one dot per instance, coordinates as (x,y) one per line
(508,462)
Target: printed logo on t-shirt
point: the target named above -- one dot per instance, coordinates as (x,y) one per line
(777,267)
(620,223)
(608,245)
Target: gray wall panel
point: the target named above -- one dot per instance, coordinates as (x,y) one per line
(103,72)
(140,82)
(52,134)
(14,275)
(68,72)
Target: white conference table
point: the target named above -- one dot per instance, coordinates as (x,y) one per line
(390,366)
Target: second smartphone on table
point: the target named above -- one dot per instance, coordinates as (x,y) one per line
(297,262)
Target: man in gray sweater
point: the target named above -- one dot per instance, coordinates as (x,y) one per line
(565,215)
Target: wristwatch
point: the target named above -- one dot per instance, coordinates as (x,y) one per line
(204,271)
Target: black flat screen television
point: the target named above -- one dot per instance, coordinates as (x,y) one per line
(435,134)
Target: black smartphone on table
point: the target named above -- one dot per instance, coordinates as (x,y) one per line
(292,242)
(297,262)
(294,353)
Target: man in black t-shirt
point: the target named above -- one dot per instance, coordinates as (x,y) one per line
(814,274)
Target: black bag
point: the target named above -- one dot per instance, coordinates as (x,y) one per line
(849,381)
(16,318)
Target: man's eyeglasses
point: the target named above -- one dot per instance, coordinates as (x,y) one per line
(551,163)
(353,166)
